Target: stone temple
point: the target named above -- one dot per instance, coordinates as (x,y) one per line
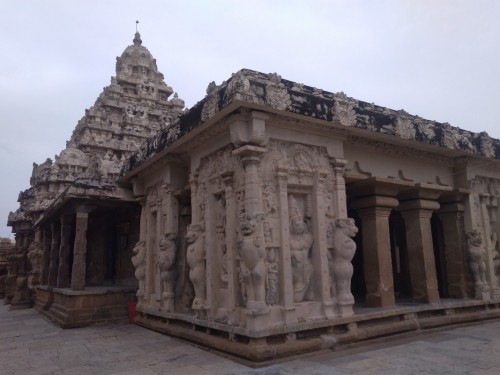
(271,218)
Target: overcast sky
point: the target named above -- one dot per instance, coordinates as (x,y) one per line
(439,59)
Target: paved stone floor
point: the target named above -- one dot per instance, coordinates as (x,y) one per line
(29,344)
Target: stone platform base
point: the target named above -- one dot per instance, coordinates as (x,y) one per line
(44,298)
(72,309)
(367,324)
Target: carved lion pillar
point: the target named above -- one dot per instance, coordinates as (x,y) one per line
(417,216)
(54,253)
(374,212)
(251,245)
(80,252)
(64,252)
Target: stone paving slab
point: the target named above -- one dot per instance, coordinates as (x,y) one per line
(32,345)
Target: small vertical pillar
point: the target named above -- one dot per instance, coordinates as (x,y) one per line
(339,188)
(54,253)
(46,241)
(374,212)
(231,219)
(64,252)
(285,260)
(320,247)
(417,216)
(80,252)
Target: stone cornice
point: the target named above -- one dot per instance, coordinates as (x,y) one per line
(271,92)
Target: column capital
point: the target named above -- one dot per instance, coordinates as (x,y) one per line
(451,208)
(248,152)
(374,201)
(418,204)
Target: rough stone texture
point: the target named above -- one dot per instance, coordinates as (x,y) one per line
(248,238)
(32,345)
(275,93)
(6,247)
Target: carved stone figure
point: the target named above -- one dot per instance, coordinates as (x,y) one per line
(253,267)
(168,273)
(35,258)
(477,255)
(272,295)
(196,258)
(344,248)
(301,241)
(139,262)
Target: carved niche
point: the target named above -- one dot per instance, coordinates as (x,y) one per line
(296,172)
(486,195)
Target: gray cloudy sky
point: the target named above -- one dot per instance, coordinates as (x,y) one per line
(439,59)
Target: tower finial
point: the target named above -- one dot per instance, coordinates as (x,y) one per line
(137,38)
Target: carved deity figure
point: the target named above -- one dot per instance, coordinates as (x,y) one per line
(35,258)
(301,242)
(344,248)
(196,258)
(139,262)
(168,273)
(477,257)
(253,267)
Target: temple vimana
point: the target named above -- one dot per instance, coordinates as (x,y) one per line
(271,218)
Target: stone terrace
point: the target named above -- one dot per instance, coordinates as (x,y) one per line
(30,344)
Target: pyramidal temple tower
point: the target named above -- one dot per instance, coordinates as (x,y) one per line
(80,184)
(134,107)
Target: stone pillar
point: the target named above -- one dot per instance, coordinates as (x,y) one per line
(54,253)
(231,256)
(80,252)
(252,247)
(285,259)
(452,219)
(417,216)
(320,246)
(339,188)
(46,242)
(64,252)
(374,212)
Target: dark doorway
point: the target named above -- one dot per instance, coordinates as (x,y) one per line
(439,255)
(399,255)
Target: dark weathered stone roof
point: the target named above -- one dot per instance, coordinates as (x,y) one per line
(272,91)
